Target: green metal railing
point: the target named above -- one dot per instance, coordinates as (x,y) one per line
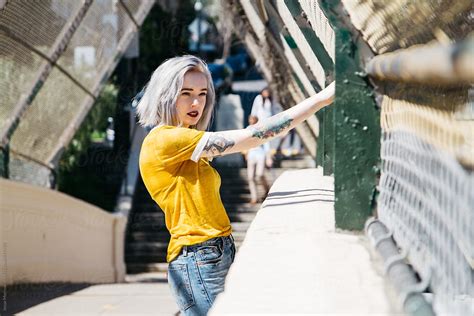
(4,160)
(349,139)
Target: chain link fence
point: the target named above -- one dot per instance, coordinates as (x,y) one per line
(418,55)
(55,56)
(427,147)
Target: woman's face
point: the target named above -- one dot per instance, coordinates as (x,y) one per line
(265,93)
(192,98)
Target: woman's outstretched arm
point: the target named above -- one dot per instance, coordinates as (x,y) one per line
(227,142)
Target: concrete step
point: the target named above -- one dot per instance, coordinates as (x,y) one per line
(145,258)
(233,189)
(240,227)
(241,207)
(134,268)
(153,227)
(143,216)
(149,226)
(241,217)
(145,252)
(137,236)
(145,206)
(146,247)
(240,203)
(236,199)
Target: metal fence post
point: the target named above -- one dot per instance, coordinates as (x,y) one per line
(328,151)
(320,144)
(4,161)
(356,125)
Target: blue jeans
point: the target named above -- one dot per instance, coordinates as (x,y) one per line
(197,275)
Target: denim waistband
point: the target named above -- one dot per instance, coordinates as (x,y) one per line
(209,242)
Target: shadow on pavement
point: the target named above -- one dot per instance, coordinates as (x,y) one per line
(19,297)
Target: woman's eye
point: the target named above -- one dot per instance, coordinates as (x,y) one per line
(202,94)
(186,93)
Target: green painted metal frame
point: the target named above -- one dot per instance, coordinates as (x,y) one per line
(325,150)
(320,149)
(4,161)
(313,41)
(349,139)
(328,149)
(356,122)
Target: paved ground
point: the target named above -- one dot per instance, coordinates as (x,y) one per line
(293,261)
(143,294)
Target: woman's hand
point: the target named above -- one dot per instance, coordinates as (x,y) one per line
(328,94)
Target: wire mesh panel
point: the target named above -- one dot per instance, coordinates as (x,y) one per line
(37,23)
(434,115)
(95,42)
(18,68)
(138,9)
(320,25)
(54,57)
(426,195)
(303,45)
(25,169)
(23,28)
(50,113)
(389,25)
(427,147)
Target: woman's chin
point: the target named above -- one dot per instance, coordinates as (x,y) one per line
(192,122)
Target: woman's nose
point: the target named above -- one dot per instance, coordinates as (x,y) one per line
(195,101)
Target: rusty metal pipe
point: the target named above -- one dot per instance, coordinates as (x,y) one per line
(398,271)
(432,64)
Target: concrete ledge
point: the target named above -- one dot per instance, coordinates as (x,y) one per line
(293,261)
(48,236)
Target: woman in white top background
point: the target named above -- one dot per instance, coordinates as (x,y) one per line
(264,107)
(257,158)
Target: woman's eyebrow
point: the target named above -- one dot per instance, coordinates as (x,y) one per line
(190,89)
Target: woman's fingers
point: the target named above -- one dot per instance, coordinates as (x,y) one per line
(328,93)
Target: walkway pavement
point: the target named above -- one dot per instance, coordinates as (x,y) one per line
(294,261)
(142,294)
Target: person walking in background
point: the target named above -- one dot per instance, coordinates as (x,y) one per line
(174,165)
(263,105)
(257,158)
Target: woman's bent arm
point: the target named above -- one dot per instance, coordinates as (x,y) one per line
(228,142)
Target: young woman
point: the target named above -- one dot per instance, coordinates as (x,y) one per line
(174,164)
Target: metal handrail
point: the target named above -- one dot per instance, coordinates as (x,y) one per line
(432,64)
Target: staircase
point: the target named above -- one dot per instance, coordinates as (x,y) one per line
(147,237)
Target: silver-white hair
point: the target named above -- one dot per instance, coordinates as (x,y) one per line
(158,104)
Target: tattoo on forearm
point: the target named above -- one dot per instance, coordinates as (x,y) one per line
(217,144)
(271,127)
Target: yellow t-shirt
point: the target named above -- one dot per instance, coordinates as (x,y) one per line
(186,191)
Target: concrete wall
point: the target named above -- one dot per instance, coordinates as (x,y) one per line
(48,236)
